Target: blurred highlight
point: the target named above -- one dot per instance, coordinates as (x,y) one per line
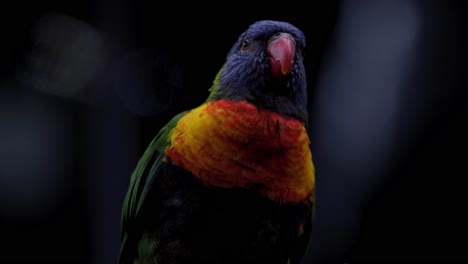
(147,81)
(35,156)
(66,56)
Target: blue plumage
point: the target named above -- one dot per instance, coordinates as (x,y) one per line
(245,75)
(170,217)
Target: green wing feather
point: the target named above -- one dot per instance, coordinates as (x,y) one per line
(144,175)
(147,170)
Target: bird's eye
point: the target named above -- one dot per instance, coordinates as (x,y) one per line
(245,46)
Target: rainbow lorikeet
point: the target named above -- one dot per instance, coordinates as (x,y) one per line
(231,181)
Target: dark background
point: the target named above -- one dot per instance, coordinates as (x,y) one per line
(85,85)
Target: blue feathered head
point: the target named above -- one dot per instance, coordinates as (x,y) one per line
(265,67)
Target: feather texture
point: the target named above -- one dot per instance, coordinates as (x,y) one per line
(231,181)
(235,144)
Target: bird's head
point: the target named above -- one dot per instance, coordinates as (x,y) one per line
(265,67)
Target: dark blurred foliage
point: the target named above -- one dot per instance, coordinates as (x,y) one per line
(85,85)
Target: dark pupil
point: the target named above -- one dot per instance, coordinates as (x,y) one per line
(245,43)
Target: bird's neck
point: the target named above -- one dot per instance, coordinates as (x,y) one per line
(234,144)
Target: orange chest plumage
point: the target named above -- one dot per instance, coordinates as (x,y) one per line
(234,144)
